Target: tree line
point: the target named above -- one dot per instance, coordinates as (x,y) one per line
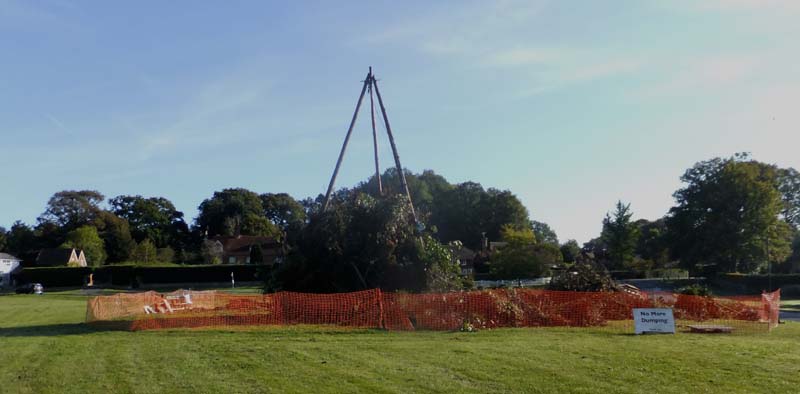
(732,215)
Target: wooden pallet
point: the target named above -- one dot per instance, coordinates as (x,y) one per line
(710,329)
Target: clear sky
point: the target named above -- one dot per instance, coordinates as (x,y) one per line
(572,105)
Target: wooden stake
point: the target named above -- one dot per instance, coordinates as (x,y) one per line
(394,150)
(344,145)
(374,135)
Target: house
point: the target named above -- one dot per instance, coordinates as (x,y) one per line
(466,260)
(8,264)
(60,257)
(238,249)
(494,246)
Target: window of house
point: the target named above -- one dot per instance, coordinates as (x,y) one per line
(231,260)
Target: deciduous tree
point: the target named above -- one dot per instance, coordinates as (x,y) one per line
(570,251)
(235,212)
(87,239)
(727,214)
(71,209)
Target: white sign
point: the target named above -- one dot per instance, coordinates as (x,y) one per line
(653,320)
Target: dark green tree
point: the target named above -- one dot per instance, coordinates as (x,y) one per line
(653,245)
(544,233)
(71,209)
(256,255)
(145,252)
(87,239)
(620,236)
(789,187)
(286,213)
(363,242)
(165,255)
(2,238)
(467,211)
(153,218)
(21,241)
(116,235)
(570,251)
(235,212)
(727,215)
(522,257)
(424,188)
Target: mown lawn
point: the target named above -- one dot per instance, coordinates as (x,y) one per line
(45,348)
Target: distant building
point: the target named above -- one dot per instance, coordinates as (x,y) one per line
(61,257)
(464,256)
(8,264)
(238,249)
(494,246)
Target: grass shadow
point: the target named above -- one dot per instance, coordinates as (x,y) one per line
(52,330)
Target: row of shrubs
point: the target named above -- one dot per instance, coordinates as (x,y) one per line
(757,283)
(134,276)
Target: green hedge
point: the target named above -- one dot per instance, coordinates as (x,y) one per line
(130,275)
(757,283)
(53,276)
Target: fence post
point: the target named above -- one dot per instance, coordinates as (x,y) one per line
(380,308)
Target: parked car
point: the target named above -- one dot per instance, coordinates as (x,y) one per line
(30,288)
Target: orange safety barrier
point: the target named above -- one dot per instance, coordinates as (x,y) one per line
(434,311)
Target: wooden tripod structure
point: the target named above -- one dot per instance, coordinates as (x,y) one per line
(371,84)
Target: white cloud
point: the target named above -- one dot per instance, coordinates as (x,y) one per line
(701,75)
(209,115)
(496,35)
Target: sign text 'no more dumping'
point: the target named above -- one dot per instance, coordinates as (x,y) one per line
(653,320)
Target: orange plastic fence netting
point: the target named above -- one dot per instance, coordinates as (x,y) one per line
(443,311)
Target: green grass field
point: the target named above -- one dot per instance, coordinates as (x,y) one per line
(46,348)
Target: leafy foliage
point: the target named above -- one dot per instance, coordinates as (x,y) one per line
(165,255)
(570,251)
(211,251)
(620,236)
(652,244)
(116,236)
(362,242)
(582,276)
(522,256)
(544,233)
(461,212)
(695,290)
(235,212)
(285,212)
(153,218)
(21,239)
(3,238)
(145,252)
(442,272)
(87,239)
(727,215)
(789,186)
(71,209)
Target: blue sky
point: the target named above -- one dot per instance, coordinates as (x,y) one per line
(572,105)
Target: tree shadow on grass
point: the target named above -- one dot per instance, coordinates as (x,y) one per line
(53,330)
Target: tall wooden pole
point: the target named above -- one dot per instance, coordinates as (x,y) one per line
(374,135)
(346,140)
(397,164)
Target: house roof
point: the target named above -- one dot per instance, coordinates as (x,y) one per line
(464,253)
(54,256)
(6,256)
(497,245)
(242,243)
